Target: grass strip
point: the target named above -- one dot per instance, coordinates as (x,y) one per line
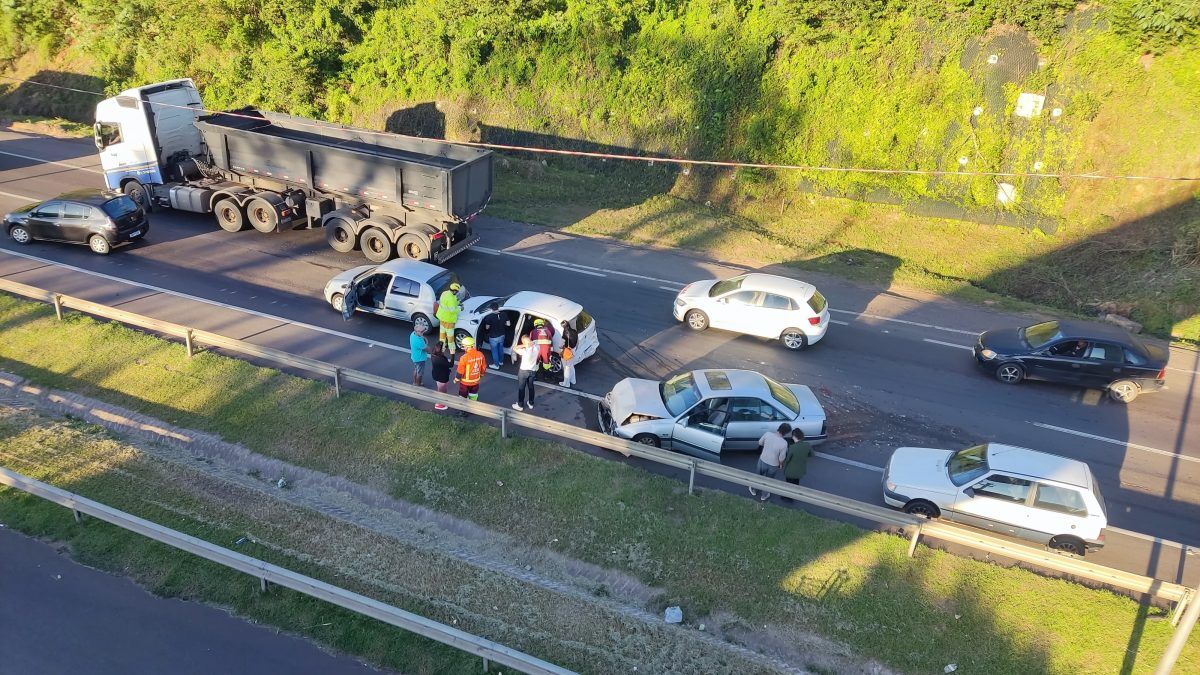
(716,555)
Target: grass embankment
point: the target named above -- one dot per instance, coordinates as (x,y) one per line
(716,555)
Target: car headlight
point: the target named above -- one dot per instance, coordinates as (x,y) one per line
(987,354)
(679,302)
(890,486)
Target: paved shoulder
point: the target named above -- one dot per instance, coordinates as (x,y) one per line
(58,616)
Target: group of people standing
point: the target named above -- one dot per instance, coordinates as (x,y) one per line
(532,353)
(786,449)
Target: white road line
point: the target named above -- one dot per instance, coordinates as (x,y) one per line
(1158,540)
(1114,441)
(50,161)
(575,269)
(28,199)
(843,460)
(272,317)
(904,321)
(1184,370)
(840,323)
(948,344)
(669,288)
(603,270)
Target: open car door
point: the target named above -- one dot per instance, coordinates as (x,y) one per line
(350,302)
(700,433)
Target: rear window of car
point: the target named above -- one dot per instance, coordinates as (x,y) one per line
(967,464)
(441,282)
(1060,499)
(582,320)
(119,206)
(726,286)
(1042,333)
(817,302)
(784,395)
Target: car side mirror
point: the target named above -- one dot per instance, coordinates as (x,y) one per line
(970,492)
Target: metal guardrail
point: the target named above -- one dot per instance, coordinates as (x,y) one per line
(914,527)
(266,572)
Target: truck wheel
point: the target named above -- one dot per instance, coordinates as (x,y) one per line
(137,192)
(413,245)
(376,245)
(262,215)
(229,216)
(340,236)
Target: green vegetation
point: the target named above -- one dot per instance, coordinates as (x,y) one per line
(901,84)
(727,561)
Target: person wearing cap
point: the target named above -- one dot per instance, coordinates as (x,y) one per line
(470,370)
(418,349)
(542,337)
(446,312)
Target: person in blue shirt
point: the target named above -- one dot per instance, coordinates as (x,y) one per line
(420,354)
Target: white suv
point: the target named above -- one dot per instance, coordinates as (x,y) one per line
(1023,493)
(777,308)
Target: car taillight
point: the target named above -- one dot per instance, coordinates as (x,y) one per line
(814,320)
(1162,374)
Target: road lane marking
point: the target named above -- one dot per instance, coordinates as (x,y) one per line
(1157,540)
(850,462)
(948,344)
(905,322)
(552,261)
(23,197)
(263,315)
(669,288)
(840,323)
(1114,441)
(50,161)
(1184,370)
(575,269)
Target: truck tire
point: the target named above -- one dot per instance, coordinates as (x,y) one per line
(376,246)
(413,245)
(262,215)
(340,235)
(230,216)
(140,196)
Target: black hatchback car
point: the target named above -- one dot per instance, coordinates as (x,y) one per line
(103,220)
(1072,352)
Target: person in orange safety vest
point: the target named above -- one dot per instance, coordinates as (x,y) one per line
(471,366)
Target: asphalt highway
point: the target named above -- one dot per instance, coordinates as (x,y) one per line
(894,370)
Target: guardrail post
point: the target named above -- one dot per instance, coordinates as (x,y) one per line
(916,536)
(58,306)
(191,346)
(337,382)
(1181,607)
(503,427)
(692,477)
(487,665)
(1180,638)
(262,584)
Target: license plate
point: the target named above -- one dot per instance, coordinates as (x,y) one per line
(135,233)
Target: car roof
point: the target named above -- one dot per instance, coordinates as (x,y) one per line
(770,283)
(414,270)
(92,196)
(544,305)
(1025,462)
(1082,330)
(741,382)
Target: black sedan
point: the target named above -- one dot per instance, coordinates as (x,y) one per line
(98,218)
(1071,352)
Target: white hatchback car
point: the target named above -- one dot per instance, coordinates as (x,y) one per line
(400,289)
(1023,493)
(769,306)
(703,412)
(518,312)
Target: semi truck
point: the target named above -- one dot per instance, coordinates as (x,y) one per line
(386,195)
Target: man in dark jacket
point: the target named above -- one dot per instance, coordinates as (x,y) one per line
(570,340)
(795,463)
(492,331)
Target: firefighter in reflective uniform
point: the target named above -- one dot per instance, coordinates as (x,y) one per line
(543,337)
(447,315)
(471,366)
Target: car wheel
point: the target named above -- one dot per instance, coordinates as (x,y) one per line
(338,301)
(137,192)
(647,439)
(1068,544)
(20,234)
(413,246)
(696,320)
(1010,373)
(376,246)
(922,508)
(422,321)
(1124,391)
(99,245)
(230,216)
(340,236)
(794,339)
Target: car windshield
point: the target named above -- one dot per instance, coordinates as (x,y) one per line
(493,305)
(119,206)
(441,283)
(817,302)
(968,464)
(1040,334)
(726,286)
(784,395)
(582,321)
(679,393)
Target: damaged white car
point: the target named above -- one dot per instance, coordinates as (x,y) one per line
(704,412)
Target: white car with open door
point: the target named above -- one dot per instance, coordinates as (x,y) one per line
(518,312)
(1022,493)
(769,306)
(399,289)
(704,412)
